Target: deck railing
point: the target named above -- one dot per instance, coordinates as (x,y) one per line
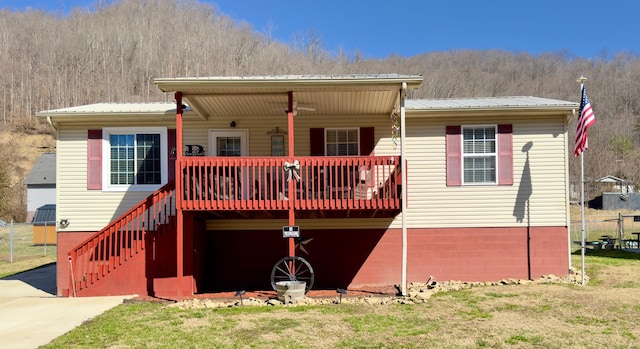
(262,183)
(122,239)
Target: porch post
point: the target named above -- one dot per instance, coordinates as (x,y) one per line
(179,213)
(291,183)
(403,167)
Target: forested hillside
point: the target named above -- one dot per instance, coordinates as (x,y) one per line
(113,54)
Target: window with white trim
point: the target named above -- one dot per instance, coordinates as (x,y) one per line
(134,158)
(342,141)
(479,154)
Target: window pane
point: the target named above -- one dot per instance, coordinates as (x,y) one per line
(229,146)
(352,136)
(342,137)
(148,159)
(332,149)
(480,140)
(480,169)
(332,136)
(121,159)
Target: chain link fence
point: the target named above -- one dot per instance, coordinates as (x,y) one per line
(615,230)
(21,242)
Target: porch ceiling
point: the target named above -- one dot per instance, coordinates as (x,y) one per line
(312,95)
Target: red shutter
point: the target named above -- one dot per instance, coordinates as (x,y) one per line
(316,140)
(505,154)
(367,140)
(454,155)
(171,145)
(94,159)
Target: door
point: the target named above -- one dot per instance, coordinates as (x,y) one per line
(230,143)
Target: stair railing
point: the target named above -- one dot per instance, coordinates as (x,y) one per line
(122,239)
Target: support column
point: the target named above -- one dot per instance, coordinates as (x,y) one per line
(179,213)
(291,183)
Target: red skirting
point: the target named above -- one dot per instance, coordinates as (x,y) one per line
(233,260)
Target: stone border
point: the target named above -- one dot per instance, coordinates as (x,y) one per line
(418,292)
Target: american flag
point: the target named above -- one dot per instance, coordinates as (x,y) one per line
(585,120)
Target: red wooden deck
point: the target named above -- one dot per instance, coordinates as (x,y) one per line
(262,183)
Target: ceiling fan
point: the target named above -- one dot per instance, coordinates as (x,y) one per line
(296,107)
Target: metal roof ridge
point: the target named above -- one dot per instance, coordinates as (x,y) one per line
(291,76)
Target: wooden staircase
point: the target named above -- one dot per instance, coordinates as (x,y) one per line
(122,241)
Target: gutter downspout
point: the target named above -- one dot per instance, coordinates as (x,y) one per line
(403,169)
(55,127)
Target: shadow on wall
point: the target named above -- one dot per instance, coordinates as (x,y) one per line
(521,207)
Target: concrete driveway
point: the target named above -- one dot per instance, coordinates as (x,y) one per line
(31,315)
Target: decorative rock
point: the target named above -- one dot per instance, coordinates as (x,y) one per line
(274,302)
(416,293)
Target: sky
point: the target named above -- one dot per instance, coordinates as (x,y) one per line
(377,29)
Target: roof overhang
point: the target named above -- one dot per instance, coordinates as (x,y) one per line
(108,112)
(323,95)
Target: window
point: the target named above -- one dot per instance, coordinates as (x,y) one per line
(479,154)
(342,142)
(135,158)
(229,146)
(225,142)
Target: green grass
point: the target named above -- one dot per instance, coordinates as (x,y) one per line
(514,316)
(25,255)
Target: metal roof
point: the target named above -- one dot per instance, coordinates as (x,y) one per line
(45,214)
(487,103)
(285,82)
(223,96)
(159,108)
(110,112)
(43,171)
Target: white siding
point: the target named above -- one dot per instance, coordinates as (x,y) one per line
(540,201)
(431,203)
(86,210)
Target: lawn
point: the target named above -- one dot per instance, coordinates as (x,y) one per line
(25,255)
(602,314)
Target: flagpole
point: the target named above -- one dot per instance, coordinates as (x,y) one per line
(584,230)
(583,245)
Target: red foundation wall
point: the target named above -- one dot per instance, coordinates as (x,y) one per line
(150,272)
(354,258)
(233,260)
(487,254)
(66,242)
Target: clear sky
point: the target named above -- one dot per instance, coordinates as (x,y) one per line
(377,28)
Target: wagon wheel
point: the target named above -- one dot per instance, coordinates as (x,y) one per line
(292,269)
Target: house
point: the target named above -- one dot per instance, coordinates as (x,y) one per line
(614,184)
(41,184)
(340,181)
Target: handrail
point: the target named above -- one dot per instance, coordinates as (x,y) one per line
(122,239)
(262,183)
